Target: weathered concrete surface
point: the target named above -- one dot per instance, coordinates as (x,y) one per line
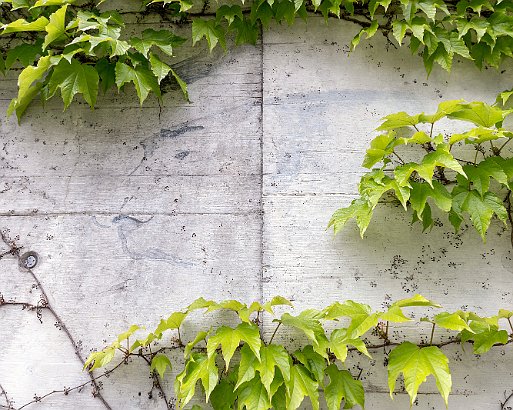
(135,212)
(138,211)
(321,105)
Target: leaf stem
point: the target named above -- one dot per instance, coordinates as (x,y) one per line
(502,146)
(398,157)
(432,334)
(274,333)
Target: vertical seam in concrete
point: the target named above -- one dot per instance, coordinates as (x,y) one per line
(261,277)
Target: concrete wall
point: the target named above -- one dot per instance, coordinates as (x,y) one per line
(136,211)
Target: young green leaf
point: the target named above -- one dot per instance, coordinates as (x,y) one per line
(362,317)
(56,27)
(484,336)
(160,363)
(416,364)
(230,338)
(313,362)
(252,395)
(248,366)
(29,84)
(451,321)
(360,209)
(308,322)
(159,68)
(301,385)
(24,25)
(199,367)
(271,357)
(200,336)
(342,386)
(223,396)
(339,342)
(480,113)
(209,30)
(75,78)
(142,78)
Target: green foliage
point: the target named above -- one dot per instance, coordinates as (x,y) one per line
(463,183)
(77,49)
(92,36)
(416,364)
(261,374)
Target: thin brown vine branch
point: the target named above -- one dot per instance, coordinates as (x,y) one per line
(506,401)
(66,391)
(7,400)
(46,304)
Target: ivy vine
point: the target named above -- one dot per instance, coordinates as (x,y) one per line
(264,374)
(81,47)
(466,175)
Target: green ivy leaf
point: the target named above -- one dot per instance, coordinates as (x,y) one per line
(198,367)
(209,30)
(301,385)
(181,83)
(399,28)
(100,359)
(229,339)
(29,85)
(395,314)
(142,78)
(359,209)
(362,317)
(416,300)
(56,27)
(342,386)
(276,301)
(159,68)
(25,53)
(368,32)
(273,356)
(451,321)
(484,335)
(339,342)
(174,321)
(399,120)
(248,366)
(107,73)
(445,108)
(229,13)
(165,40)
(420,193)
(417,364)
(481,114)
(160,363)
(481,209)
(308,322)
(48,3)
(380,147)
(200,303)
(23,25)
(75,78)
(200,336)
(313,362)
(252,395)
(128,333)
(223,396)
